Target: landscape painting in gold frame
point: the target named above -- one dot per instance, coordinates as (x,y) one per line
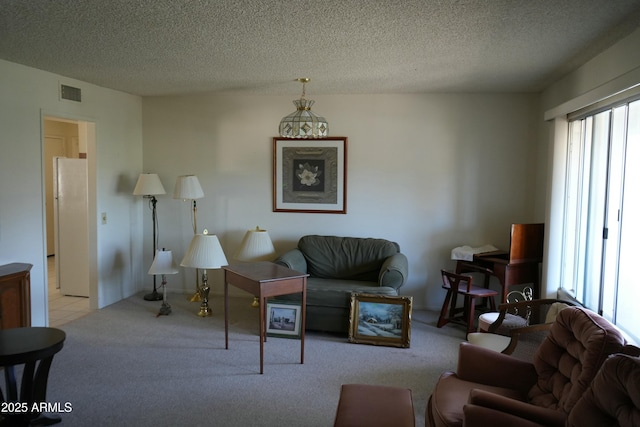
(380,320)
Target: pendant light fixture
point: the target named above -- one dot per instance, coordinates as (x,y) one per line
(304,123)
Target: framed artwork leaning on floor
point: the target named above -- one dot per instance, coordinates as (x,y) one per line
(283,319)
(380,320)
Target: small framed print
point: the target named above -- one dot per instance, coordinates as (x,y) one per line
(380,320)
(310,175)
(283,319)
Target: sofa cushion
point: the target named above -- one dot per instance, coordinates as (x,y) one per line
(337,293)
(348,258)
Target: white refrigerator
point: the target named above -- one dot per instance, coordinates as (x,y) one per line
(71,225)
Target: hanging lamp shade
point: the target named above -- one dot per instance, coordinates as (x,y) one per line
(303,123)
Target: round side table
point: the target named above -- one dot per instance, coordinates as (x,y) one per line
(33,347)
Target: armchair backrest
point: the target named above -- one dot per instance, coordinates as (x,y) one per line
(457,282)
(569,358)
(348,258)
(614,396)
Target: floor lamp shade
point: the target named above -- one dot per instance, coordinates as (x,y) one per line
(256,246)
(204,252)
(148,184)
(187,187)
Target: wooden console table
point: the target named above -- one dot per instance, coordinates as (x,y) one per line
(15,295)
(263,280)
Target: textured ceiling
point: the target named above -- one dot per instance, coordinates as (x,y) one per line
(167,47)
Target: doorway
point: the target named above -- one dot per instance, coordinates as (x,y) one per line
(68,287)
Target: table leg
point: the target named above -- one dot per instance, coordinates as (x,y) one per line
(303,325)
(226,312)
(263,335)
(10,381)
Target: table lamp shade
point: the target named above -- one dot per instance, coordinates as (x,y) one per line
(163,263)
(204,252)
(187,187)
(256,246)
(148,184)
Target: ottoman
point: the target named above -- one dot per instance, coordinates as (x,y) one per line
(365,405)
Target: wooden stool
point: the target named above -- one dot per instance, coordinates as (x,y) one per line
(364,405)
(460,284)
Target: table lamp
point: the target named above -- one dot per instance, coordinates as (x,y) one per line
(163,264)
(149,186)
(256,246)
(204,253)
(188,188)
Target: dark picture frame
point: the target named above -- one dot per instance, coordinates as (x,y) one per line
(283,319)
(380,320)
(310,175)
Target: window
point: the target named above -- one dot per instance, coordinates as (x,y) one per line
(602,213)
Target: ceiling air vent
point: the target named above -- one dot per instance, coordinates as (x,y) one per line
(71,93)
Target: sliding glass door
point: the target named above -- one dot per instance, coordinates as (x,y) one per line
(602,211)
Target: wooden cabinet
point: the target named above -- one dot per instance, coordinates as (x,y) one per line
(15,295)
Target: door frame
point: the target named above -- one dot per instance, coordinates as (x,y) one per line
(87,133)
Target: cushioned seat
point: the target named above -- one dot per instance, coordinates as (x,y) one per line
(333,293)
(510,321)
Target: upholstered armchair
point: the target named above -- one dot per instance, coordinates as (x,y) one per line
(542,392)
(612,399)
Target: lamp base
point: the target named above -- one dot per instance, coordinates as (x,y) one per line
(153,296)
(205,311)
(165,310)
(256,302)
(196,297)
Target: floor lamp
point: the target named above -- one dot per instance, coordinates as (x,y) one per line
(256,246)
(204,253)
(162,265)
(149,186)
(188,188)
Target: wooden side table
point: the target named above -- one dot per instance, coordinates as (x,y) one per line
(263,280)
(34,348)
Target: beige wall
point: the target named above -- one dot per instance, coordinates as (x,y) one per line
(429,171)
(26,96)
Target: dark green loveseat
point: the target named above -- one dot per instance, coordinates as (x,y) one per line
(339,266)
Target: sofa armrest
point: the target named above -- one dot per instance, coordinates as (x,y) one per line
(516,408)
(394,271)
(482,365)
(294,259)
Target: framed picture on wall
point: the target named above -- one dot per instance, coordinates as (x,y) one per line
(310,175)
(283,319)
(380,320)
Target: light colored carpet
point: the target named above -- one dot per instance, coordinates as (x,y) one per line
(123,365)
